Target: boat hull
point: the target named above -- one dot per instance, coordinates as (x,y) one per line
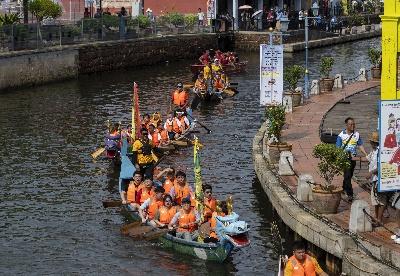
(207,251)
(236,67)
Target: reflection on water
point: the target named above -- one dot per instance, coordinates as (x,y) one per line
(51,190)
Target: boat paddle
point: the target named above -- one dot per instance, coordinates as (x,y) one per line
(112,203)
(206,128)
(98,152)
(125,229)
(230,92)
(151,235)
(191,141)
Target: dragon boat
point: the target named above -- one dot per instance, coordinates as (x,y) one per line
(232,232)
(228,68)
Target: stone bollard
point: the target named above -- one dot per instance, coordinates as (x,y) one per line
(362,75)
(300,89)
(288,103)
(304,192)
(372,27)
(286,163)
(359,222)
(339,81)
(363,28)
(315,90)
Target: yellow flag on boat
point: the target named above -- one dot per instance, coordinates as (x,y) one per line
(198,185)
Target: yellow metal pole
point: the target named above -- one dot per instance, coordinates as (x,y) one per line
(390,49)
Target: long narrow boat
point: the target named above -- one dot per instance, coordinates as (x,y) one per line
(228,68)
(232,232)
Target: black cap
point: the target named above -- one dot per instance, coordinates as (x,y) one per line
(185,200)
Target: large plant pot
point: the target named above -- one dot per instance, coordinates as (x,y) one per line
(276,149)
(326,84)
(327,201)
(296,97)
(376,73)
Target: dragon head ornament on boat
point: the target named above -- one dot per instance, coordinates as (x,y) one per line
(231,229)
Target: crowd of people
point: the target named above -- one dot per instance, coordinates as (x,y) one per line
(172,204)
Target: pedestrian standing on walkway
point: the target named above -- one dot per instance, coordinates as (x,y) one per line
(348,140)
(377,199)
(301,263)
(200,18)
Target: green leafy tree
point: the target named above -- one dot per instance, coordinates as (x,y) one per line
(177,19)
(191,20)
(44,8)
(276,116)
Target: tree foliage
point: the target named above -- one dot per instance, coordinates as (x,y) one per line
(44,8)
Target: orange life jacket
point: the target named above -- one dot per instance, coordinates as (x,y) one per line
(218,84)
(192,200)
(146,194)
(168,184)
(166,214)
(164,135)
(132,191)
(213,223)
(207,212)
(155,138)
(179,98)
(169,125)
(186,218)
(180,193)
(307,269)
(175,125)
(183,123)
(153,207)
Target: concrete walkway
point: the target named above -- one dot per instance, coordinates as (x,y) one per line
(302,130)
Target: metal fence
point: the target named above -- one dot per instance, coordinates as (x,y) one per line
(38,36)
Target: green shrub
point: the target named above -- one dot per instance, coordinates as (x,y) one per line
(191,20)
(177,19)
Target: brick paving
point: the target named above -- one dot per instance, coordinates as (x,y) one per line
(323,111)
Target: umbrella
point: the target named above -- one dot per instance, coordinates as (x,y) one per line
(257,13)
(244,7)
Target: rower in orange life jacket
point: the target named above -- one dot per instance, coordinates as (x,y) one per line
(223,212)
(154,136)
(170,180)
(181,189)
(163,132)
(179,98)
(187,220)
(128,195)
(150,206)
(146,192)
(146,120)
(169,125)
(209,202)
(200,85)
(301,264)
(166,212)
(218,84)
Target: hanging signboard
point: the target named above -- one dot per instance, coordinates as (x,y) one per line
(389,146)
(271,74)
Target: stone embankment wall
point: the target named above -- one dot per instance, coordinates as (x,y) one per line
(27,68)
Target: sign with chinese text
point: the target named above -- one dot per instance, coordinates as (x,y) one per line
(389,146)
(271,74)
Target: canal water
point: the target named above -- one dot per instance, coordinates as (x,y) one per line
(52,219)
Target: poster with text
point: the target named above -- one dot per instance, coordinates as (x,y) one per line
(271,74)
(389,146)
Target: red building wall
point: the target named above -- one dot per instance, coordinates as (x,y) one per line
(180,6)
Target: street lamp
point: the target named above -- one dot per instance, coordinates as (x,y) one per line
(306,92)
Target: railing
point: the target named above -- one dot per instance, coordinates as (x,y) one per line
(38,36)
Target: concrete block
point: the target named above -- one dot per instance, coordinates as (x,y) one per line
(286,163)
(304,189)
(359,222)
(339,81)
(288,103)
(315,90)
(363,76)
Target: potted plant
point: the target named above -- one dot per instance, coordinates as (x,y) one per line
(325,67)
(275,116)
(291,76)
(375,59)
(333,162)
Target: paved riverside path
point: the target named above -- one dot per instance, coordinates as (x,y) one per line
(322,111)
